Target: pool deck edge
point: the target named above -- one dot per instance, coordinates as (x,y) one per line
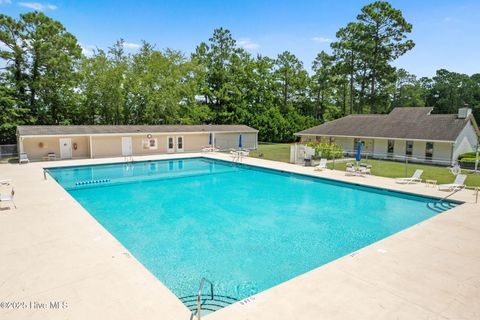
(52,249)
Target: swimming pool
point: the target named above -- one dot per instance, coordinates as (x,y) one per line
(246,229)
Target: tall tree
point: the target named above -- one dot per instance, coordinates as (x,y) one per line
(292,82)
(322,82)
(386,39)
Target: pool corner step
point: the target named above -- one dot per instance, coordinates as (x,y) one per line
(208,303)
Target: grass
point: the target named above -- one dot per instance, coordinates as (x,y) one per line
(277,152)
(390,169)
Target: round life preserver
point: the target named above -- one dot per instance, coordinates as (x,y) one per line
(75,146)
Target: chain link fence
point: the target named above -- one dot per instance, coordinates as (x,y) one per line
(8,150)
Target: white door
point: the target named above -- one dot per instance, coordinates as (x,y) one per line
(126,146)
(179,143)
(170,144)
(65,148)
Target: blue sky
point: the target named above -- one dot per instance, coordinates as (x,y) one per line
(446,33)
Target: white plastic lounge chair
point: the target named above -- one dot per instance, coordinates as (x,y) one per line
(51,156)
(322,165)
(459,183)
(8,197)
(413,179)
(5,182)
(23,158)
(362,171)
(350,171)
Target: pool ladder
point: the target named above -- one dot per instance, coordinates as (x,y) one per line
(206,301)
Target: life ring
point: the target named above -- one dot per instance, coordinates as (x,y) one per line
(75,146)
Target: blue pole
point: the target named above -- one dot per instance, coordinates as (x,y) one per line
(240,142)
(210,140)
(359,151)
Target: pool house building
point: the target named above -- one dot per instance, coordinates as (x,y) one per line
(414,133)
(97,141)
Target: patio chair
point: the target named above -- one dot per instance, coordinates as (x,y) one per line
(23,158)
(458,184)
(413,179)
(362,171)
(52,156)
(350,170)
(8,197)
(322,165)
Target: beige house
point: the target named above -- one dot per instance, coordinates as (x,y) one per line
(96,141)
(405,132)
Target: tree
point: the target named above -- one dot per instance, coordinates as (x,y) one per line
(291,81)
(322,82)
(407,91)
(385,40)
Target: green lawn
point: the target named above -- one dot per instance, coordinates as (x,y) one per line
(396,169)
(281,152)
(276,152)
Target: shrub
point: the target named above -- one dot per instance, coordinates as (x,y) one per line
(326,150)
(467,155)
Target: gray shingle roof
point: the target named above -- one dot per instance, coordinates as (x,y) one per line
(100,129)
(401,123)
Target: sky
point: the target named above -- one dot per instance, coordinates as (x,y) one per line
(446,33)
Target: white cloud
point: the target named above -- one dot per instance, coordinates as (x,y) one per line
(449,19)
(37,6)
(130,45)
(247,43)
(87,50)
(5,1)
(321,39)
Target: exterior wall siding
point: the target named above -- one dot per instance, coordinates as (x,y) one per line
(380,148)
(111,146)
(52,144)
(442,151)
(466,141)
(107,146)
(418,151)
(345,142)
(399,148)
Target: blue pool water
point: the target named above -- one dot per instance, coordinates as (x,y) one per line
(245,229)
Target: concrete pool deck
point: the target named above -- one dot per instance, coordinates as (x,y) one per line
(52,250)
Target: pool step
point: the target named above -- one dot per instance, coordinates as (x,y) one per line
(207,303)
(440,206)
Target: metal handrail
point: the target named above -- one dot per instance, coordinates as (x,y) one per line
(451,194)
(199,295)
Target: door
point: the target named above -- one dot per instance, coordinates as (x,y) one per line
(179,143)
(65,148)
(126,146)
(170,144)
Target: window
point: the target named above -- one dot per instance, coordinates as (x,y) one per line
(180,142)
(429,150)
(150,143)
(409,148)
(332,140)
(170,142)
(390,146)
